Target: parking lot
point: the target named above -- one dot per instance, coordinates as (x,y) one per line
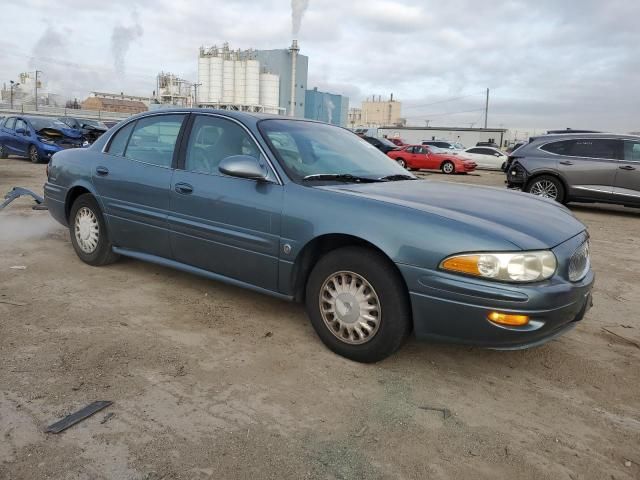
(212,381)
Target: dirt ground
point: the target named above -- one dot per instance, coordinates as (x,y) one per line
(213,382)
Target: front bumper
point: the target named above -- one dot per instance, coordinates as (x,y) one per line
(453,308)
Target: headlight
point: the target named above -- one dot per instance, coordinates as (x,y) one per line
(48,141)
(507,267)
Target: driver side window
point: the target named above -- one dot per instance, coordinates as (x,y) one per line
(213,139)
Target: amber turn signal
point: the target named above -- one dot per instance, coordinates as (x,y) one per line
(508,319)
(463,264)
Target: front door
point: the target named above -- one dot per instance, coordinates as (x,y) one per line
(226,225)
(133,180)
(627,184)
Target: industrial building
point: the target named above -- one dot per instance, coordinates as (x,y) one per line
(326,107)
(466,136)
(375,112)
(173,90)
(114,102)
(270,81)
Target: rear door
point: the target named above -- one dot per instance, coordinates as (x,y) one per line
(627,184)
(588,165)
(8,136)
(133,180)
(226,225)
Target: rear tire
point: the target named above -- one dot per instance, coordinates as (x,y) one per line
(546,186)
(33,154)
(448,168)
(358,304)
(89,232)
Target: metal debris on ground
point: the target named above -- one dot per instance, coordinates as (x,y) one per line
(78,416)
(17,192)
(107,417)
(446,413)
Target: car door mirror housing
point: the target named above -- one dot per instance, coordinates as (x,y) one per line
(243,166)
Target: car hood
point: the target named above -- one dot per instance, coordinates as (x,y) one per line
(59,132)
(527,221)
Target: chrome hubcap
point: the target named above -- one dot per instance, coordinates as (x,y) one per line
(448,168)
(34,154)
(350,307)
(401,163)
(87,230)
(544,188)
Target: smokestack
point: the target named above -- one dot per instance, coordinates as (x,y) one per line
(294,59)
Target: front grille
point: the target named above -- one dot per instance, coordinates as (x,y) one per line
(580,263)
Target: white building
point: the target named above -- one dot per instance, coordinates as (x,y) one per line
(466,136)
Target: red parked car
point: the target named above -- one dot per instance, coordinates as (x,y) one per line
(397,141)
(416,157)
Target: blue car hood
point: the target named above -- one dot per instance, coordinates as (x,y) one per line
(526,221)
(55,132)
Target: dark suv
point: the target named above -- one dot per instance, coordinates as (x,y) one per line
(578,167)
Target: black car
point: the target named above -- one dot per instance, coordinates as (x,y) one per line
(487,144)
(381,144)
(582,167)
(91,129)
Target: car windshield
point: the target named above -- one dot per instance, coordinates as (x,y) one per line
(93,123)
(309,148)
(388,143)
(43,122)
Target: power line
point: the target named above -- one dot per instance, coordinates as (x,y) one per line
(444,101)
(429,115)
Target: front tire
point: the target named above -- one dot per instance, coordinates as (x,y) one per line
(89,232)
(547,186)
(3,151)
(33,154)
(358,304)
(448,168)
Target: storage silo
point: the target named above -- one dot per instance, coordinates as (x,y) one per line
(227,81)
(239,82)
(215,78)
(203,78)
(269,92)
(252,96)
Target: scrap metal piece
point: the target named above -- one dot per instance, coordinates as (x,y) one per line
(78,416)
(16,192)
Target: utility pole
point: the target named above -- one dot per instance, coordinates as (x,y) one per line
(195,93)
(37,72)
(486,110)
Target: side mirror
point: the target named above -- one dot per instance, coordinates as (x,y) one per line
(497,154)
(243,166)
(21,131)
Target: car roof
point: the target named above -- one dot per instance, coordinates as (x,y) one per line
(572,136)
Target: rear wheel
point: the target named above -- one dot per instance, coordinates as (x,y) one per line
(89,233)
(402,163)
(3,151)
(358,304)
(448,167)
(546,186)
(33,154)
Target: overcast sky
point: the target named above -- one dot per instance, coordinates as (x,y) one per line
(548,63)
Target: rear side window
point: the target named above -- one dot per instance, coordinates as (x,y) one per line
(476,150)
(632,150)
(11,121)
(120,139)
(588,148)
(21,124)
(154,139)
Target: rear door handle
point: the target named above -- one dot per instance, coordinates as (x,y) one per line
(626,167)
(183,188)
(566,162)
(102,171)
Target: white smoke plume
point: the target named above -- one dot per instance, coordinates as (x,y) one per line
(121,39)
(298,7)
(330,107)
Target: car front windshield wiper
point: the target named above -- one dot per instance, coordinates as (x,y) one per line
(396,177)
(339,177)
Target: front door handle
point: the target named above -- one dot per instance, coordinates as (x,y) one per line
(566,162)
(183,188)
(102,171)
(626,167)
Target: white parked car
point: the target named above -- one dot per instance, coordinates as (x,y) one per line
(486,157)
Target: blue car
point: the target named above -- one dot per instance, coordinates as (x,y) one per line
(310,212)
(37,138)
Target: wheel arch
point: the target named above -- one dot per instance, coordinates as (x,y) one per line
(319,246)
(74,192)
(551,173)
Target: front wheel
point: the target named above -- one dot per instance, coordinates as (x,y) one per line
(3,151)
(89,233)
(402,163)
(546,186)
(358,304)
(448,168)
(33,154)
